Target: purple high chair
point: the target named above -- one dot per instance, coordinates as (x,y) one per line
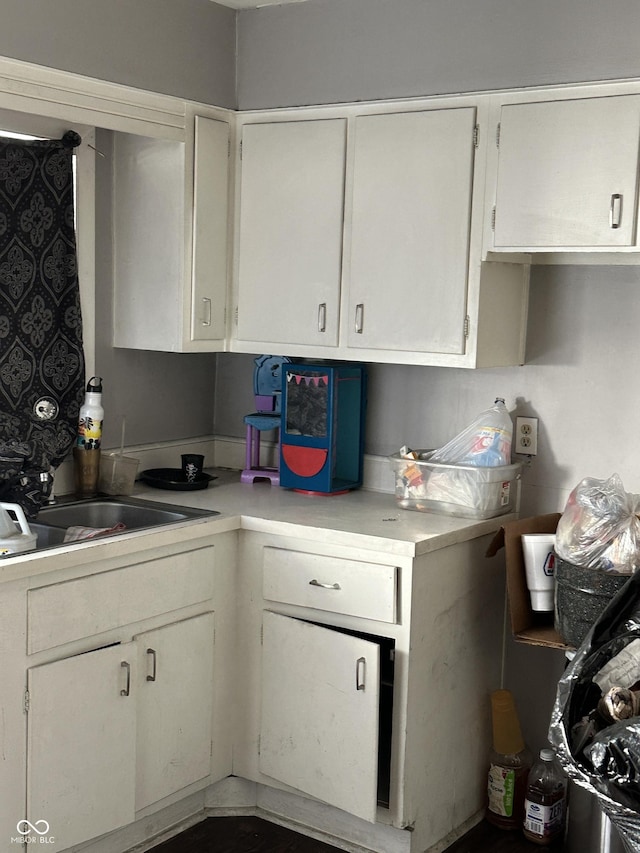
(267,389)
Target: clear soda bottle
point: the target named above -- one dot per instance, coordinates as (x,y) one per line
(545,802)
(509,763)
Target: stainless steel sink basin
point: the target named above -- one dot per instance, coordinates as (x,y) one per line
(48,537)
(107,512)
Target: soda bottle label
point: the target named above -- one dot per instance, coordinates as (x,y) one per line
(501,789)
(543,821)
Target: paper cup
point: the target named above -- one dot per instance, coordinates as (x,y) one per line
(539,564)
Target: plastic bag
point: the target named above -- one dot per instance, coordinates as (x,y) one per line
(485,442)
(26,478)
(600,527)
(604,758)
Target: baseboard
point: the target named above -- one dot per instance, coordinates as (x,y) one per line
(378,475)
(163,454)
(219,451)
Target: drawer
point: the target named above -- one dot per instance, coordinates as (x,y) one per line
(351,587)
(71,610)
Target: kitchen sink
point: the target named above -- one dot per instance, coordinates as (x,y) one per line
(134,513)
(48,537)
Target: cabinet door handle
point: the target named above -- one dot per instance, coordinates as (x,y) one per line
(206,314)
(322,317)
(615,210)
(154,661)
(361,665)
(359,317)
(127,688)
(315,582)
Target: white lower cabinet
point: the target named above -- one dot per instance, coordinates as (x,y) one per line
(174,736)
(320,699)
(375,705)
(117,697)
(113,730)
(81,744)
(340,686)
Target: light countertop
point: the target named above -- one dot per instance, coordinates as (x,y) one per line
(366,518)
(359,518)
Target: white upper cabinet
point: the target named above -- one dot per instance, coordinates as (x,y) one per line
(411,219)
(568,174)
(360,237)
(171,235)
(290,232)
(210,230)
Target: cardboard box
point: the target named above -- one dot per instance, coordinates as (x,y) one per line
(527,626)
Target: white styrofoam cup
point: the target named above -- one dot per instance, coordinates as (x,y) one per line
(539,564)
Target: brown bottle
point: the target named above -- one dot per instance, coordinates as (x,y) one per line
(509,763)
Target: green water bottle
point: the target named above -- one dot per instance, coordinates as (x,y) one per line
(509,762)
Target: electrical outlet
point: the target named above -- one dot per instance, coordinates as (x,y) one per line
(526,437)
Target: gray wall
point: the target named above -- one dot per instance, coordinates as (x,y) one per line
(326,51)
(185,48)
(583,346)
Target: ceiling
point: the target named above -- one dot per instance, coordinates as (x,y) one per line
(254,4)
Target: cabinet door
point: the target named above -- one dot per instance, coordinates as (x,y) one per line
(210,229)
(290,247)
(413,177)
(81,744)
(319,719)
(149,233)
(567,173)
(174,708)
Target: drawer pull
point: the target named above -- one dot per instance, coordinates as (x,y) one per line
(206,318)
(152,652)
(615,210)
(315,582)
(361,665)
(127,688)
(359,318)
(322,317)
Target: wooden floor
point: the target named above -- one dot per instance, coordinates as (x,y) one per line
(254,835)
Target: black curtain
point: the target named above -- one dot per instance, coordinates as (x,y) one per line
(41,354)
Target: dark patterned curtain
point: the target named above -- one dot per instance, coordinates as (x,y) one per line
(41,355)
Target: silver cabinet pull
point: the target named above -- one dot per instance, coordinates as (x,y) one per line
(359,317)
(322,317)
(315,582)
(154,662)
(361,665)
(206,313)
(127,688)
(615,210)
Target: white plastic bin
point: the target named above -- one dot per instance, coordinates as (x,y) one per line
(464,490)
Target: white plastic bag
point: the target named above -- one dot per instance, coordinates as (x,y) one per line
(600,528)
(485,442)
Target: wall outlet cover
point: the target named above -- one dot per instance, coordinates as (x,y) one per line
(526,436)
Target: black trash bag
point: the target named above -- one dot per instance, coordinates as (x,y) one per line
(26,477)
(598,754)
